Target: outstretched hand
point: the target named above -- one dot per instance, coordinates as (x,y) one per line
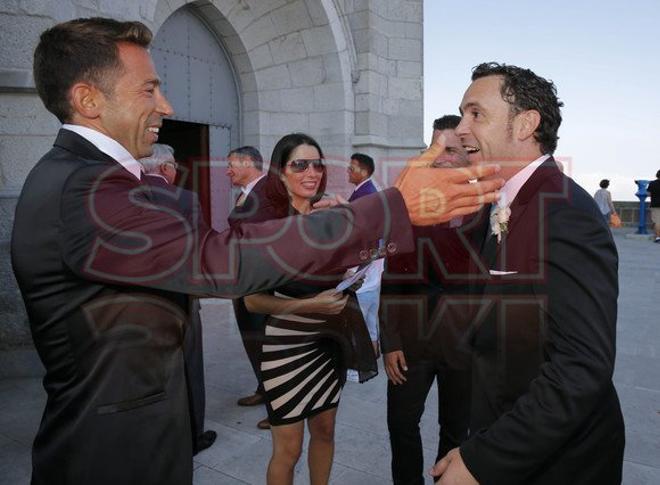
(434,195)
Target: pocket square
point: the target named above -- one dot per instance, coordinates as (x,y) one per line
(495,272)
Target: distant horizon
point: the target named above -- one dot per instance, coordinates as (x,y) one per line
(600,55)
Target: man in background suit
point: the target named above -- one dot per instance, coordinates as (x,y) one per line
(245,170)
(360,173)
(444,130)
(418,340)
(101,270)
(160,171)
(543,270)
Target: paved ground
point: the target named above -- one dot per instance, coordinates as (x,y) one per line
(362,452)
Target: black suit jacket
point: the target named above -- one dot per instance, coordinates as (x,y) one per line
(186,203)
(251,325)
(250,209)
(424,299)
(544,408)
(101,270)
(170,196)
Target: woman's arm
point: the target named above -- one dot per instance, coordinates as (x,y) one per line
(328,302)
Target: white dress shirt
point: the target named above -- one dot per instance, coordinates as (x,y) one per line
(110,147)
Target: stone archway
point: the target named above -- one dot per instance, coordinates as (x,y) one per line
(295,66)
(199,81)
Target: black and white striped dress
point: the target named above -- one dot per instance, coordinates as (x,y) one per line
(302,366)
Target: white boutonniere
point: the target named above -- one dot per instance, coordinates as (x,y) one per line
(499,221)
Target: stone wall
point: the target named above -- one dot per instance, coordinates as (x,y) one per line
(348,72)
(629,213)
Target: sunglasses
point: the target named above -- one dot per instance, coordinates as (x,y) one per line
(299,166)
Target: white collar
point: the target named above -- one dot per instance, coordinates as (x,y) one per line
(361,184)
(512,186)
(248,188)
(109,146)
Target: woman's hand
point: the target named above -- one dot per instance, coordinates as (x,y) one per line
(328,302)
(329,201)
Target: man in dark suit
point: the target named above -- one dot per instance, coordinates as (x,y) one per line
(418,343)
(543,270)
(159,172)
(245,170)
(360,172)
(101,270)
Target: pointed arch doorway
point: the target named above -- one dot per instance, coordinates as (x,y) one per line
(199,81)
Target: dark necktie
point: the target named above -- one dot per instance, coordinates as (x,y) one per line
(240,200)
(489,245)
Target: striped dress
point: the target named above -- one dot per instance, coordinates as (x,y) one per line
(304,361)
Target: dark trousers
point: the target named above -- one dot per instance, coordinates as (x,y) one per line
(405,406)
(251,326)
(194,368)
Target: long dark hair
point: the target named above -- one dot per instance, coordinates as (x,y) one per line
(276,192)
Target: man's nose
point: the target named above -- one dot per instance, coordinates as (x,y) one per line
(462,128)
(164,106)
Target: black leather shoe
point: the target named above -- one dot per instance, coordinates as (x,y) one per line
(263,424)
(252,400)
(205,440)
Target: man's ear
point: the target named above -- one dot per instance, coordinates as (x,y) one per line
(87,100)
(527,123)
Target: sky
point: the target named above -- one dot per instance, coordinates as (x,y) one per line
(603,56)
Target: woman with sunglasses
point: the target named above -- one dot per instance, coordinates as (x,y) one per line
(312,334)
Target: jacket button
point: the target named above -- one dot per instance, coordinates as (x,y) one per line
(364,255)
(391,248)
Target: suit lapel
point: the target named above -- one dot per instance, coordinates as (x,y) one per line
(530,191)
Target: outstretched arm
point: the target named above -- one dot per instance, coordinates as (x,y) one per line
(328,302)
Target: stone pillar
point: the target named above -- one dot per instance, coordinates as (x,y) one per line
(388,36)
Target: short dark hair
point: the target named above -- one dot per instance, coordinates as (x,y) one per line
(252,153)
(604,184)
(365,161)
(524,90)
(446,122)
(657,174)
(81,50)
(275,189)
